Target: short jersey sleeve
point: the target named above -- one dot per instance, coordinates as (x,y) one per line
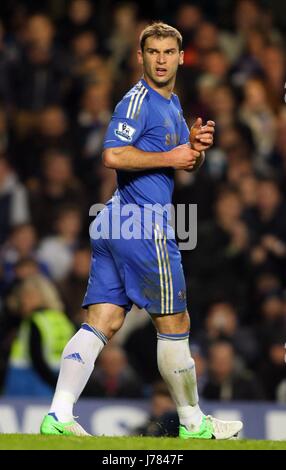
(127,123)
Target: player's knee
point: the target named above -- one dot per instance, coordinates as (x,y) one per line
(115,325)
(107,326)
(173,324)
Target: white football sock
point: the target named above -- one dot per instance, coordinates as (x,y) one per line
(177,368)
(77,364)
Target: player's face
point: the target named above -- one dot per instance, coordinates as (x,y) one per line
(160,60)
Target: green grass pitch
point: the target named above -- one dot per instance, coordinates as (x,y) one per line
(34,442)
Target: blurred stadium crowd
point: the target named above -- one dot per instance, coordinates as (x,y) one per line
(62,70)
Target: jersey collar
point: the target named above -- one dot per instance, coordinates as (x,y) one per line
(155,92)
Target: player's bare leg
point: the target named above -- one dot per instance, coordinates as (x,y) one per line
(172,324)
(177,368)
(78,358)
(107,318)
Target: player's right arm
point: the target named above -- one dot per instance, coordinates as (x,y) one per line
(128,124)
(130,158)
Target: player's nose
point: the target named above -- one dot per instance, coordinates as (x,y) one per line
(161,58)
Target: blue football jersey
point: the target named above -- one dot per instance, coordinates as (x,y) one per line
(152,123)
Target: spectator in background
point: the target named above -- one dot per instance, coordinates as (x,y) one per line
(96,69)
(189,189)
(263,285)
(133,70)
(121,41)
(113,377)
(163,420)
(257,112)
(278,157)
(9,319)
(270,322)
(83,46)
(270,23)
(13,200)
(247,16)
(39,77)
(135,319)
(206,38)
(188,20)
(226,382)
(215,65)
(57,251)
(249,63)
(273,371)
(23,269)
(36,349)
(248,191)
(224,107)
(268,228)
(237,144)
(213,71)
(81,16)
(58,187)
(26,267)
(234,143)
(142,358)
(200,357)
(266,283)
(91,126)
(189,17)
(72,287)
(273,66)
(222,323)
(232,159)
(50,132)
(21,244)
(92,120)
(219,262)
(90,70)
(204,90)
(7,58)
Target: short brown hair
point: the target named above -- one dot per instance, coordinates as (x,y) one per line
(160,30)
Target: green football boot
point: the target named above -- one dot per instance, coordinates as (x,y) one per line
(51,426)
(212,428)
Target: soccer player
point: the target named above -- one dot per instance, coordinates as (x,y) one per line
(147,140)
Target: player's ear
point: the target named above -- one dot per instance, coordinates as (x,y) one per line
(181,59)
(140,57)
